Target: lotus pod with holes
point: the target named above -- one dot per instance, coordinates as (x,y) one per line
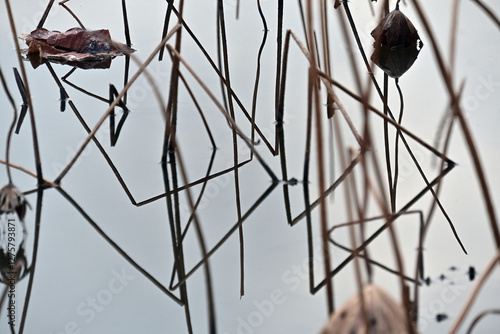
(383,315)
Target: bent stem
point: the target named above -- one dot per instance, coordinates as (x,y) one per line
(396,149)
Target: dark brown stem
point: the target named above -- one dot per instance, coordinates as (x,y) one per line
(11,129)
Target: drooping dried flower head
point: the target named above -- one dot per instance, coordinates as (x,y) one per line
(396,30)
(397,44)
(12,200)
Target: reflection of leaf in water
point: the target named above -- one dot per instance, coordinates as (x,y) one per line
(12,200)
(76,47)
(397,44)
(395,61)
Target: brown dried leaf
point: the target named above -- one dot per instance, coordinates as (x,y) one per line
(76,47)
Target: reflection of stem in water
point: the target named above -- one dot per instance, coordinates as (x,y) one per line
(84,91)
(170,5)
(386,137)
(257,74)
(125,76)
(223,74)
(11,128)
(279,63)
(281,133)
(24,106)
(330,103)
(227,83)
(305,183)
(125,23)
(45,14)
(115,130)
(396,150)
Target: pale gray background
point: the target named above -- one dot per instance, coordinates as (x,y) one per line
(75,263)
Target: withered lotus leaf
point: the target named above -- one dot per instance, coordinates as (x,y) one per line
(397,44)
(76,47)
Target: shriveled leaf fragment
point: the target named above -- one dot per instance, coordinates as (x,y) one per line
(77,47)
(385,315)
(397,44)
